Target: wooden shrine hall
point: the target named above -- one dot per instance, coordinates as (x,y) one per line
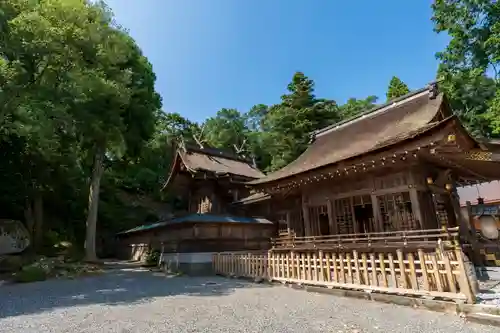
(394,168)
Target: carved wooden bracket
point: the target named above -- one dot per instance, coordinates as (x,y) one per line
(481,155)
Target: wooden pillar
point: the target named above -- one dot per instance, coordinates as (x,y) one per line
(305,215)
(379,224)
(415,205)
(331,217)
(288,223)
(354,221)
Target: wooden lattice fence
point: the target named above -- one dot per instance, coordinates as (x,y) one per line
(440,273)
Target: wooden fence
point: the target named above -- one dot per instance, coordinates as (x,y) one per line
(440,273)
(409,238)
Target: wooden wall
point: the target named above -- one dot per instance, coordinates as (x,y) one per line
(203,237)
(389,201)
(212,196)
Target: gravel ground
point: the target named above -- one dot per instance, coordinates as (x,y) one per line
(134,300)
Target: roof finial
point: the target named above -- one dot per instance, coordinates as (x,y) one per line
(199,138)
(433,89)
(241,148)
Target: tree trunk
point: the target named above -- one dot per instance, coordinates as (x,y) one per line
(95,183)
(38,227)
(30,223)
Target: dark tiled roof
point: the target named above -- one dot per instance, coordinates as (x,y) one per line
(380,127)
(198,218)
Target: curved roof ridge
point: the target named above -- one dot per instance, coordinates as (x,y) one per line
(370,112)
(390,123)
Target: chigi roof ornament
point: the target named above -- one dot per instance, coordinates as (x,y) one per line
(433,89)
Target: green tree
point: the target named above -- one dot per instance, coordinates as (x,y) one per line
(286,126)
(68,69)
(354,106)
(470,62)
(397,88)
(226,130)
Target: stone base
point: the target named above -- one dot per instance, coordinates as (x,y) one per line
(196,264)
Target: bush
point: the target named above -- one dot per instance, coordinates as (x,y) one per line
(11,263)
(30,274)
(152,258)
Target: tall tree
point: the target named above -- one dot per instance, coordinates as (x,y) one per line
(397,88)
(355,106)
(470,62)
(286,126)
(226,130)
(71,53)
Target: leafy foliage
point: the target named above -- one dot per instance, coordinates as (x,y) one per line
(397,88)
(470,62)
(80,118)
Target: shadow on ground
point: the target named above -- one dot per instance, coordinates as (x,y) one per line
(116,286)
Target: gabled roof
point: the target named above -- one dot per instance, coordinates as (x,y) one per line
(385,125)
(212,160)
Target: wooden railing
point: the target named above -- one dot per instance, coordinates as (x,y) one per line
(421,238)
(440,273)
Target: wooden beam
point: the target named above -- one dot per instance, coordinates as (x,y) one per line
(305,215)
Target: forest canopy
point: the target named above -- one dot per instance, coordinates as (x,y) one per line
(85,143)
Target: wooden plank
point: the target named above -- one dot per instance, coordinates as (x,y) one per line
(413,272)
(321,266)
(303,266)
(356,267)
(423,268)
(328,268)
(365,269)
(402,269)
(449,271)
(315,267)
(309,273)
(465,287)
(394,280)
(374,269)
(341,267)
(292,257)
(349,268)
(382,269)
(335,272)
(437,275)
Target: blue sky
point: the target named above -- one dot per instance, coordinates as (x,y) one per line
(210,54)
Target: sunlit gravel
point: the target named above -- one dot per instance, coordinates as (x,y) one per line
(135,300)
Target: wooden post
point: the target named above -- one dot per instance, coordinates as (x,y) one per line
(463,280)
(356,267)
(321,267)
(423,268)
(415,205)
(269,265)
(354,221)
(377,216)
(331,217)
(305,215)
